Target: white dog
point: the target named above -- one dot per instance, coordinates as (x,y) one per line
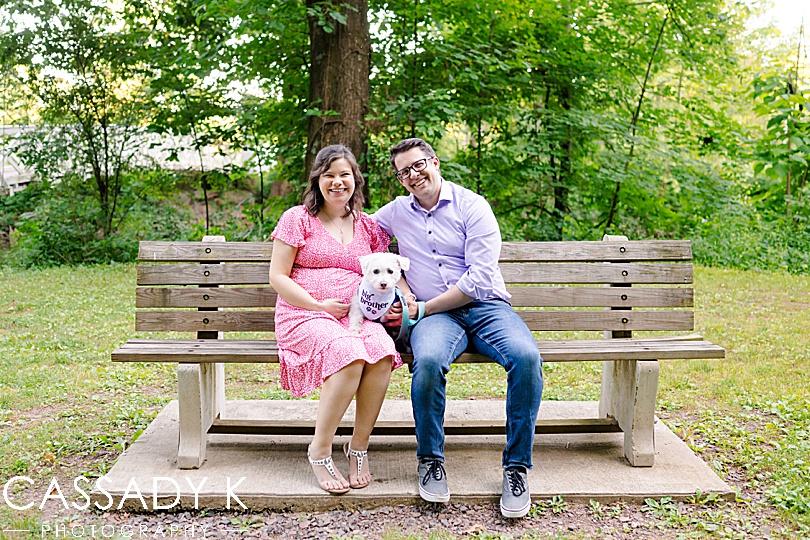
(381,272)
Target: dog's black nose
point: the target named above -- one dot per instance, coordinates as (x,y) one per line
(383,285)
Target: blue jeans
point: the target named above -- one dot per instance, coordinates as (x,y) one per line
(490,328)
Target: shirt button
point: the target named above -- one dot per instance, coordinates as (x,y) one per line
(430,215)
(440,264)
(434,251)
(430,232)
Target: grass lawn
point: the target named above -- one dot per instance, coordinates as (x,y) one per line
(66,410)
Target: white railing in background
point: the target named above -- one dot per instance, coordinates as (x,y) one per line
(14,176)
(154,151)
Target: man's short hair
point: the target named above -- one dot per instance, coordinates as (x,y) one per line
(403,146)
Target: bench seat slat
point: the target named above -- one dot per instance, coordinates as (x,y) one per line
(257,351)
(229,343)
(536,320)
(551,273)
(637,250)
(390,427)
(196,297)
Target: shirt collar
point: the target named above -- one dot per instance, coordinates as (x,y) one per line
(445,194)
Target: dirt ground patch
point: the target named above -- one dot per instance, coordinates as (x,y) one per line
(455,520)
(749,517)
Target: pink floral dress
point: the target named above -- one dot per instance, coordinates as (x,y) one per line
(314,344)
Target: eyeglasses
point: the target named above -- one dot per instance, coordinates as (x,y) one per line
(417,166)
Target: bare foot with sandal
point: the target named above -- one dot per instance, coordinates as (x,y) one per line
(328,477)
(359,474)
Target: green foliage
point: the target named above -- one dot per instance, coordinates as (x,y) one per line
(662,508)
(67,55)
(784,152)
(600,511)
(327,15)
(743,238)
(11,208)
(64,227)
(556,505)
(767,440)
(573,120)
(58,328)
(232,75)
(789,464)
(567,118)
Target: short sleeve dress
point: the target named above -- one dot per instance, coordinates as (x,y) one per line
(313,344)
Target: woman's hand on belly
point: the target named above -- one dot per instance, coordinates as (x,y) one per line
(335,307)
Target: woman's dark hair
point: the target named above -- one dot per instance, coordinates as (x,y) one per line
(403,146)
(313,198)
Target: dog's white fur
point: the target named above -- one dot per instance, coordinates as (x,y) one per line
(382,271)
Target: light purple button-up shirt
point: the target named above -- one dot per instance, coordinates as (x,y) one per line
(457,242)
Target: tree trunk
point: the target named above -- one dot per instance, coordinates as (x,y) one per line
(565,171)
(339,79)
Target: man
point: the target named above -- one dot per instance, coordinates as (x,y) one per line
(453,242)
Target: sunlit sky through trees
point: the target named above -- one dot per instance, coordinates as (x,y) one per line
(787,14)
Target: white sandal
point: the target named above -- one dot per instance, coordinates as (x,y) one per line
(360,455)
(327,464)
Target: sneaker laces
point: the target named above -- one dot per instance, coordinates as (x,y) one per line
(435,470)
(516,483)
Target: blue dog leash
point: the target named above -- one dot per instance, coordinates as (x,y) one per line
(407,323)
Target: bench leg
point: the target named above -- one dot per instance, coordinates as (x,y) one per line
(201,396)
(629,390)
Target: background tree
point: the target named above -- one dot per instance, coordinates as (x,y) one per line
(76,64)
(339,55)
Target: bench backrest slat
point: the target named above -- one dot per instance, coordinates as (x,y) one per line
(553,283)
(204,274)
(629,251)
(198,297)
(585,273)
(204,251)
(262,321)
(235,297)
(528,273)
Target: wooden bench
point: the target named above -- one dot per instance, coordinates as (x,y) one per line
(614,286)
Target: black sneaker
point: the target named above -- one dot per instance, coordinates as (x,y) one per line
(515,498)
(433,481)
